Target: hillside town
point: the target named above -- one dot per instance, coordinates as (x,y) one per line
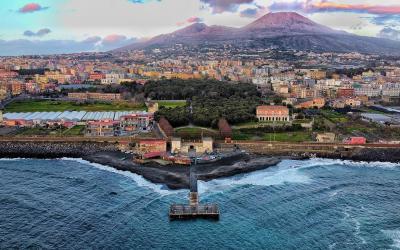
(297,97)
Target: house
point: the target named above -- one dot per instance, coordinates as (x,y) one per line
(133,123)
(102,128)
(326,137)
(94,96)
(152,145)
(314,103)
(272,113)
(185,147)
(345,92)
(152,107)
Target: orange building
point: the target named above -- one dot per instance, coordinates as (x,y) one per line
(96,76)
(152,146)
(272,113)
(314,103)
(95,96)
(345,92)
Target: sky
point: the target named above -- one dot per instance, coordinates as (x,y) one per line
(65,26)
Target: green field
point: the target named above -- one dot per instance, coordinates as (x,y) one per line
(334,116)
(171,104)
(47,105)
(288,137)
(195,132)
(298,136)
(75,131)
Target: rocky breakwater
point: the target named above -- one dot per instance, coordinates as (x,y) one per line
(36,149)
(369,152)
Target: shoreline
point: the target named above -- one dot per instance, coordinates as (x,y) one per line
(175,176)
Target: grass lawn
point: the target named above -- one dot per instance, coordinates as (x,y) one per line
(298,136)
(172,104)
(48,105)
(195,132)
(240,136)
(254,124)
(334,116)
(288,136)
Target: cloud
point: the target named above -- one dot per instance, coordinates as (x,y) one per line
(142,1)
(249,12)
(31,7)
(387,20)
(92,39)
(390,33)
(220,6)
(309,6)
(253,12)
(46,47)
(114,41)
(111,39)
(39,33)
(194,19)
(190,20)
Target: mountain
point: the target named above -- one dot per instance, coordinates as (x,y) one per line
(390,33)
(195,33)
(286,22)
(284,30)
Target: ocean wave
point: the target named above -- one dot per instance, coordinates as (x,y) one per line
(281,174)
(12,159)
(394,235)
(287,171)
(315,162)
(357,224)
(138,179)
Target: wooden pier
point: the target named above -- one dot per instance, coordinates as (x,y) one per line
(203,211)
(193,210)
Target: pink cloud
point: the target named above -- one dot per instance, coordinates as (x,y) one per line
(114,38)
(31,7)
(190,20)
(194,19)
(309,6)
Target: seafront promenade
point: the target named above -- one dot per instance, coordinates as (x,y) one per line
(364,152)
(253,146)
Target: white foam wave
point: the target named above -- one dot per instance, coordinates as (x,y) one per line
(287,171)
(138,179)
(328,162)
(394,235)
(12,159)
(357,225)
(283,173)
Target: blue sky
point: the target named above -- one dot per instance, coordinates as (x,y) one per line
(105,24)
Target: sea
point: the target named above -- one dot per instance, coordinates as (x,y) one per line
(308,204)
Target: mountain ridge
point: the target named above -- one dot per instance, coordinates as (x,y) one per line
(298,32)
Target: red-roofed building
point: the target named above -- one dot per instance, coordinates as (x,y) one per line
(272,113)
(152,146)
(102,128)
(345,92)
(96,76)
(133,123)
